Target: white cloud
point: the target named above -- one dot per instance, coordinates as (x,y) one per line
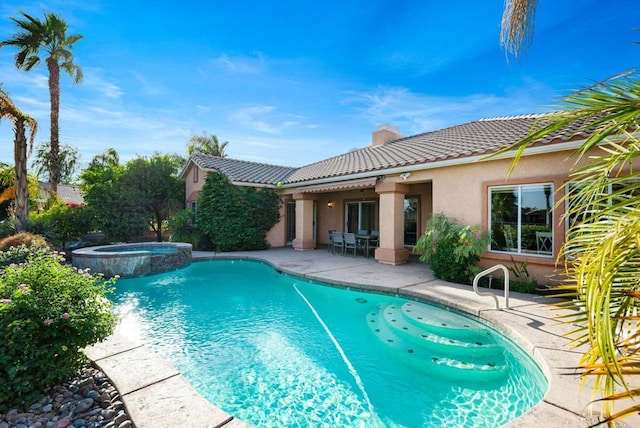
(240,64)
(264,118)
(415,113)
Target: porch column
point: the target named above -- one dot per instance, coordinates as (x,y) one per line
(304,222)
(391,250)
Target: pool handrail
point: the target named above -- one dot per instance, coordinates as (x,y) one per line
(506,284)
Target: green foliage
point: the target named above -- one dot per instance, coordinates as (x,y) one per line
(159,190)
(236,218)
(452,251)
(520,278)
(66,221)
(115,207)
(67,161)
(184,230)
(48,313)
(127,200)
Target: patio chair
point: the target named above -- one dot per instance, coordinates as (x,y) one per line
(337,242)
(350,243)
(331,240)
(544,242)
(374,241)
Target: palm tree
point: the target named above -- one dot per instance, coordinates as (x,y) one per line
(68,161)
(207,145)
(50,36)
(601,256)
(518,21)
(22,125)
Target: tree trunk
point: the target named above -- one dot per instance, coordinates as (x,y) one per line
(22,192)
(54,92)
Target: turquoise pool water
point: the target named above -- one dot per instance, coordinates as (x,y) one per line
(274,350)
(153,249)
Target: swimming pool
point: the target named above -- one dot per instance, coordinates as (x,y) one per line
(277,351)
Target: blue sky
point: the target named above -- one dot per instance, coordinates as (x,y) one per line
(294,82)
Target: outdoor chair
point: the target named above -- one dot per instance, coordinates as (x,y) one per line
(350,243)
(374,241)
(331,240)
(544,242)
(337,242)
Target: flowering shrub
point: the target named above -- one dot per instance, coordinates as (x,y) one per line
(48,312)
(23,238)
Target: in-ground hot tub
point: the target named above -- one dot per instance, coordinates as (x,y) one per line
(131,260)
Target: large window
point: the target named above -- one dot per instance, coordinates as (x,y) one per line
(360,216)
(521,219)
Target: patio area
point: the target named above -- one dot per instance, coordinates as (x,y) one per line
(156,395)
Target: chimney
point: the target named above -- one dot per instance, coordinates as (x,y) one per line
(384,134)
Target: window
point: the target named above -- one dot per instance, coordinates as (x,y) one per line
(195,174)
(410,221)
(360,216)
(521,219)
(194,208)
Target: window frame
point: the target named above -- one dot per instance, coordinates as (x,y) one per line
(519,188)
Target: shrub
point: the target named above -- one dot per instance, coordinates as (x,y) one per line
(48,312)
(23,238)
(67,221)
(236,218)
(452,251)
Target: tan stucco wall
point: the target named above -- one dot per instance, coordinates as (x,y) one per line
(192,188)
(461,192)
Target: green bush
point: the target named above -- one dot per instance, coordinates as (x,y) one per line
(236,218)
(67,222)
(48,312)
(452,251)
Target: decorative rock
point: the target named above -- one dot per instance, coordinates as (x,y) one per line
(63,423)
(83,405)
(122,416)
(93,394)
(65,407)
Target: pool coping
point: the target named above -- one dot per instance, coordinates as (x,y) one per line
(159,396)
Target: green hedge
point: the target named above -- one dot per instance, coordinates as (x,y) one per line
(236,218)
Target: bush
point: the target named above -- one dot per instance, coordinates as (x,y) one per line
(48,312)
(66,221)
(452,251)
(236,218)
(23,238)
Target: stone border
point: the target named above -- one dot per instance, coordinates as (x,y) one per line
(129,264)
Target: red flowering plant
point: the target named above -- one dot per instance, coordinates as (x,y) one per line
(49,311)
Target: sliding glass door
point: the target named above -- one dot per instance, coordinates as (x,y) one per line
(360,216)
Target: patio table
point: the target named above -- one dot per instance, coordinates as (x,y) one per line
(364,240)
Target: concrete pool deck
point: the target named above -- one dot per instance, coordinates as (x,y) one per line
(157,396)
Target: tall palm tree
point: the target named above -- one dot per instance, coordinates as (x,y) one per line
(518,21)
(601,252)
(22,125)
(49,36)
(207,145)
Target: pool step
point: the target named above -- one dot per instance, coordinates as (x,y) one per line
(442,322)
(444,357)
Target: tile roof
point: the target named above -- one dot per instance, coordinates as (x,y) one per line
(468,139)
(68,194)
(242,171)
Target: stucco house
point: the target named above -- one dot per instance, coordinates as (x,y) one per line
(396,183)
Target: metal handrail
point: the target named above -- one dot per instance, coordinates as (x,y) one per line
(506,284)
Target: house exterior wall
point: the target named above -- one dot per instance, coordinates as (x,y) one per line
(193,183)
(461,193)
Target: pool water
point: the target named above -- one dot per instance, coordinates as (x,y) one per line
(275,350)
